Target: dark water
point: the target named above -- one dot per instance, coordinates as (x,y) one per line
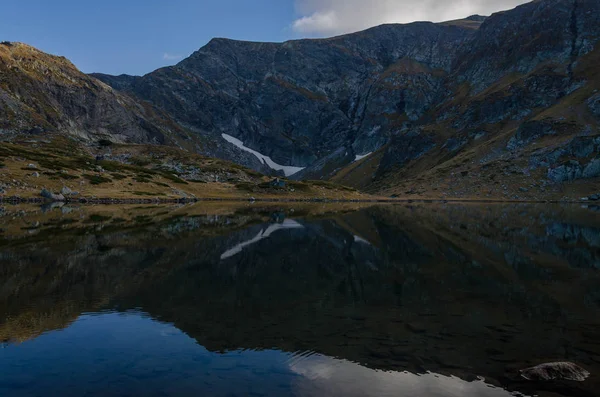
(420,300)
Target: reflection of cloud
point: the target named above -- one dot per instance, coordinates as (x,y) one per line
(325,17)
(171,57)
(325,376)
(287,224)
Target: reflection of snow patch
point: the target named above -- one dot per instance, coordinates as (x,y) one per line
(362,156)
(287,170)
(287,224)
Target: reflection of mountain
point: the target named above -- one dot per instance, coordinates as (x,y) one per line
(455,290)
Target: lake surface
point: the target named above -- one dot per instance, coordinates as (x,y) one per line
(297,300)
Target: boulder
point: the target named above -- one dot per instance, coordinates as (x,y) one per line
(594,105)
(555,371)
(45,193)
(566,172)
(529,132)
(592,169)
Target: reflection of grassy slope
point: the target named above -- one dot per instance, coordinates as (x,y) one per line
(25,224)
(54,293)
(71,266)
(141,170)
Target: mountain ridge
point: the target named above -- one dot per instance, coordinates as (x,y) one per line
(213,72)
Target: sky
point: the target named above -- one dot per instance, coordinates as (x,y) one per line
(139,36)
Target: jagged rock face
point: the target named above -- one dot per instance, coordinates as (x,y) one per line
(518,41)
(525,80)
(594,105)
(41,92)
(301,101)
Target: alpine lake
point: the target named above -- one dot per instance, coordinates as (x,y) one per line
(241,299)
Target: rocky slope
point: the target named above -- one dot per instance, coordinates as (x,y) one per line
(301,101)
(519,118)
(43,93)
(504,95)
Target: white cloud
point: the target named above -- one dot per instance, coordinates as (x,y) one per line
(327,17)
(171,57)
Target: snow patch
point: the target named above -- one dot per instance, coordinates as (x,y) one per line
(263,234)
(287,170)
(374,131)
(362,156)
(358,239)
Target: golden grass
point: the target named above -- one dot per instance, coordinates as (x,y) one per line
(60,163)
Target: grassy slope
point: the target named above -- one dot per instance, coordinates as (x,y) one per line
(138,171)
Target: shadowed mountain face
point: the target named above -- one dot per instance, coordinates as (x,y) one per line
(456,290)
(430,99)
(300,101)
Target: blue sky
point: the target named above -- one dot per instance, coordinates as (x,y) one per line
(135,37)
(138,36)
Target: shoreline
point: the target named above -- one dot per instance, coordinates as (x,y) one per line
(15,200)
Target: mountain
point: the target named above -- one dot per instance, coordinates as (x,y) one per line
(301,101)
(479,97)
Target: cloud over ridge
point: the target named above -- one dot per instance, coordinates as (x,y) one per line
(329,17)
